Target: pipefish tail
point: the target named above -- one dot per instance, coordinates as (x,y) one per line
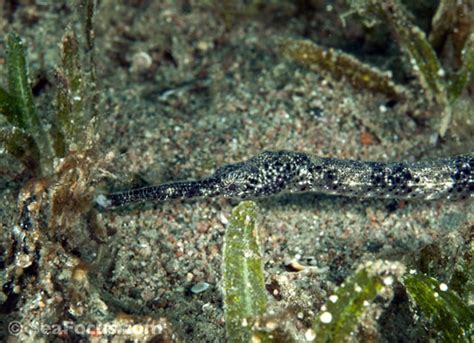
(274,172)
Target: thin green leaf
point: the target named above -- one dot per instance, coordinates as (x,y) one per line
(9,108)
(459,81)
(19,88)
(70,98)
(341,315)
(87,14)
(18,83)
(340,65)
(443,309)
(245,296)
(414,43)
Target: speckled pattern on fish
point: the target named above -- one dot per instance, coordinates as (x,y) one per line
(274,172)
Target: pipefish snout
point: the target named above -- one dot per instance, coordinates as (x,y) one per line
(274,172)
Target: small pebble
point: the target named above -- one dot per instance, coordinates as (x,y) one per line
(443,287)
(310,335)
(326,317)
(141,62)
(223,219)
(388,281)
(200,287)
(295,266)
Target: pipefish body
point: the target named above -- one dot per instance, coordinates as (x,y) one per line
(274,172)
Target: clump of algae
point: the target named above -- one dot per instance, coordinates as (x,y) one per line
(350,311)
(443,85)
(56,222)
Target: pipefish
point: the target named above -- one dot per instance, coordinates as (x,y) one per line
(275,172)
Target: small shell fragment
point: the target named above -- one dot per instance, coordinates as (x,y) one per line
(200,287)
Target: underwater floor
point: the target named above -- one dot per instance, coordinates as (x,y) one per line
(185,87)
